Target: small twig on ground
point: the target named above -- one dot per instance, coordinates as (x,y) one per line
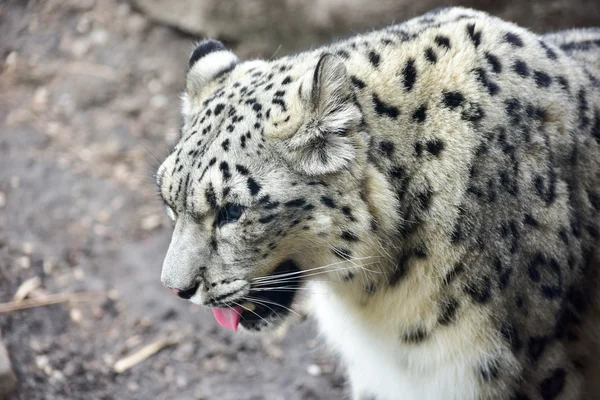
(48,300)
(99,70)
(143,353)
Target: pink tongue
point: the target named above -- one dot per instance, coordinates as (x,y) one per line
(228,318)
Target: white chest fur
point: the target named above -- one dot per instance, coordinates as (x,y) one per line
(381,366)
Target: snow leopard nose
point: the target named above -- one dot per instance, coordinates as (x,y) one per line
(185,294)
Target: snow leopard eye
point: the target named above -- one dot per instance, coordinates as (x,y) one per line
(229,213)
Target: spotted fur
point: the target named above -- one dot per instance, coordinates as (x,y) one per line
(446,174)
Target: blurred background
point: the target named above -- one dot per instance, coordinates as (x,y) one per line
(88,106)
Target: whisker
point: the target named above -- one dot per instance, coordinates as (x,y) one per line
(234,310)
(264,289)
(275,281)
(247,309)
(269,284)
(296,272)
(273,303)
(308,273)
(264,305)
(288,290)
(153,156)
(281,288)
(295,278)
(310,269)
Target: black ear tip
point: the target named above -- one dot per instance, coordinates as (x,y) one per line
(205,47)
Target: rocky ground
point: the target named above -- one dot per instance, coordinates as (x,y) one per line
(89,106)
(89,102)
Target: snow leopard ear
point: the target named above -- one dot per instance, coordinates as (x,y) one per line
(208,61)
(326,143)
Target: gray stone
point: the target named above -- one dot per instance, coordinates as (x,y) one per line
(283,26)
(8,380)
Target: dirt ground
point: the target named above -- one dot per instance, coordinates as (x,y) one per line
(89,98)
(88,106)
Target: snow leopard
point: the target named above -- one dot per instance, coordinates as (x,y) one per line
(438,182)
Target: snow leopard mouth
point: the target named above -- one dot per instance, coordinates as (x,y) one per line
(269,300)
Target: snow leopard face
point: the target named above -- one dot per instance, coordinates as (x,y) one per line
(253,184)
